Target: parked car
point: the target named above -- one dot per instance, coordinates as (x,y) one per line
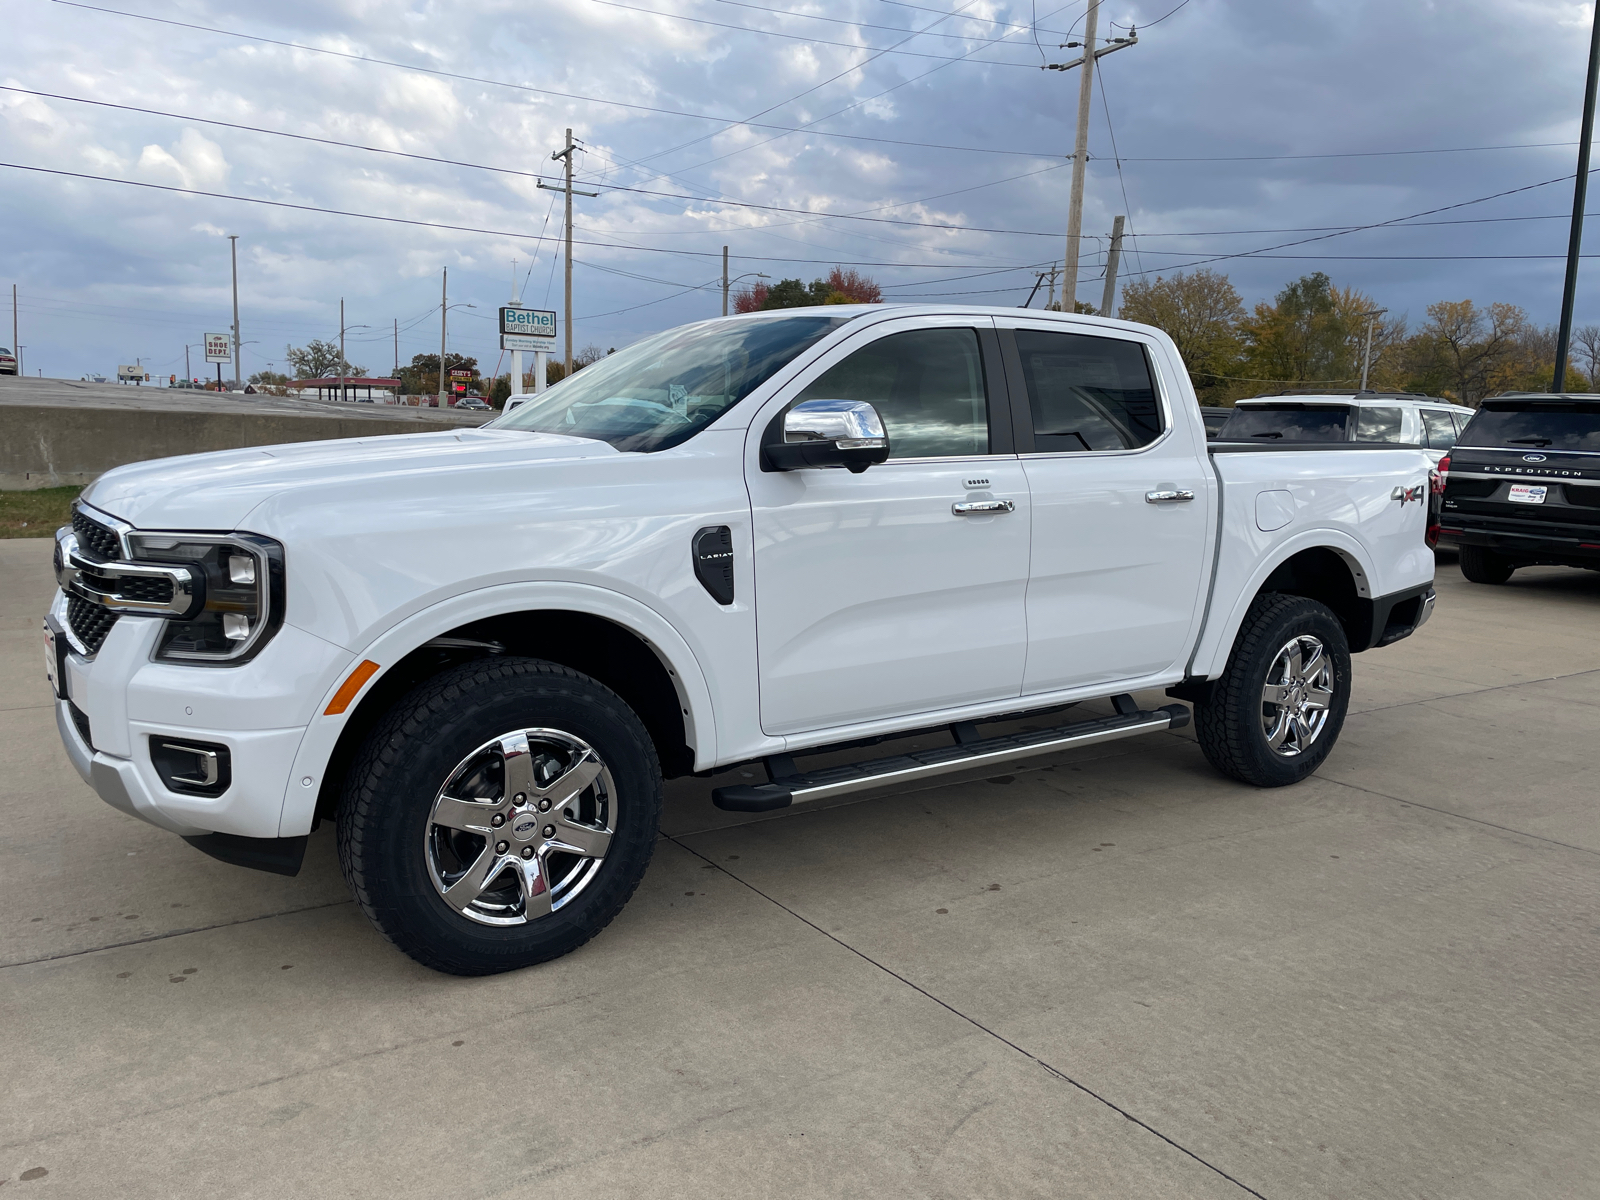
(474,402)
(1522,486)
(744,541)
(1215,419)
(8,362)
(515,402)
(1380,417)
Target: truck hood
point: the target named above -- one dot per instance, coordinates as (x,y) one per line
(218,491)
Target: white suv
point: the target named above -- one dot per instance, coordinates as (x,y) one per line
(1388,417)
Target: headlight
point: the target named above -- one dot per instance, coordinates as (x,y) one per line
(243,593)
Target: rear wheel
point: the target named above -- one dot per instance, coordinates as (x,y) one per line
(1277,710)
(500,816)
(1482,565)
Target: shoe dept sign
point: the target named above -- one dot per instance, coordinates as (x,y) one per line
(528,329)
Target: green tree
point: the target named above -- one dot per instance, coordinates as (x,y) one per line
(318,359)
(1200,311)
(1303,337)
(421,378)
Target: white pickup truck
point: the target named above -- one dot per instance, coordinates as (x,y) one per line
(745,540)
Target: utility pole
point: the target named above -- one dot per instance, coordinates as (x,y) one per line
(1366,354)
(565,155)
(1080,153)
(397,352)
(233,247)
(1109,296)
(1579,192)
(187,372)
(341,348)
(444,316)
(516,355)
(724,281)
(15,344)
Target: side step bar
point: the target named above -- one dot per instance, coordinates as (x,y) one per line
(828,782)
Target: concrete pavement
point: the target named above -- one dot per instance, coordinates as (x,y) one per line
(1108,974)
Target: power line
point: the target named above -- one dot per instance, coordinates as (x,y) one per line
(813,41)
(523,87)
(785,12)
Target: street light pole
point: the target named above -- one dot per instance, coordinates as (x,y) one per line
(1366,355)
(444,316)
(341,348)
(233,247)
(1579,193)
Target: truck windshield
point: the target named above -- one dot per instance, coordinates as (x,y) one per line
(1535,427)
(665,389)
(1286,423)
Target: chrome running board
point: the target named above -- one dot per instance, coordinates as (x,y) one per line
(824,784)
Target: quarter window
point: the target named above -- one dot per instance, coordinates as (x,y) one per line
(927,385)
(1440,428)
(1378,425)
(1088,393)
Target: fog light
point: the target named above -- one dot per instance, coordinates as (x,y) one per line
(241,568)
(235,626)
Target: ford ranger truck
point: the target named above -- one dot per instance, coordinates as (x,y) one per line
(750,540)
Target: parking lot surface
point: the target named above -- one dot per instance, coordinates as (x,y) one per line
(1110,973)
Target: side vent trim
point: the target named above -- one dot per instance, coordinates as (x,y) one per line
(713,562)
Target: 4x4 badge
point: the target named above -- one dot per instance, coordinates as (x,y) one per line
(1533,458)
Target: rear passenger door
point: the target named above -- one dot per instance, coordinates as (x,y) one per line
(1121,507)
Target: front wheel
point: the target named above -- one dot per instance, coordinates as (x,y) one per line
(1482,565)
(500,816)
(1280,704)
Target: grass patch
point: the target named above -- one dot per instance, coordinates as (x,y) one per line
(38,513)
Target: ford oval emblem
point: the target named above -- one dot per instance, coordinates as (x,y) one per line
(1533,458)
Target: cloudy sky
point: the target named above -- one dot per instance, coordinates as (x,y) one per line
(918,142)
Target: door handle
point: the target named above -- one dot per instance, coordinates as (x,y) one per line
(973,508)
(1178,496)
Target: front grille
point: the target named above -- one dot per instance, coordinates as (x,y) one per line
(81,720)
(94,538)
(130,587)
(89,623)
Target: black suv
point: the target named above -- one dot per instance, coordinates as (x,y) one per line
(1522,486)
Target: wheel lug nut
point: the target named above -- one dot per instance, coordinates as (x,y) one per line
(497,820)
(527,852)
(501,847)
(520,798)
(544,806)
(549,831)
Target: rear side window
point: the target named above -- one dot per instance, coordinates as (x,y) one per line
(1287,423)
(1379,425)
(1535,427)
(927,385)
(1088,393)
(1439,427)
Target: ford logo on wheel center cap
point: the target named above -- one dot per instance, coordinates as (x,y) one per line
(1533,458)
(525,827)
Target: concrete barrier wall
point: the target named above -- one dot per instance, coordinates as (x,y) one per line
(51,445)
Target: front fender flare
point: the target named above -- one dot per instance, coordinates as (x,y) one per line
(694,695)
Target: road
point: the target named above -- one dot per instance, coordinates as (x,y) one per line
(1108,974)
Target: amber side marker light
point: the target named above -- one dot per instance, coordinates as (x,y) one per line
(348,689)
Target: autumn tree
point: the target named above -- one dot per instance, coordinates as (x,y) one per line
(839,286)
(1200,311)
(1300,338)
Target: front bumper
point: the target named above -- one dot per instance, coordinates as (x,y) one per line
(257,710)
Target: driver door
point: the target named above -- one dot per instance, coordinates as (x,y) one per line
(875,596)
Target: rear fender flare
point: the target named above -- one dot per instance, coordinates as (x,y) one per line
(1216,640)
(391,646)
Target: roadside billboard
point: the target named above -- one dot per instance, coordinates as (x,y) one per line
(219,348)
(528,329)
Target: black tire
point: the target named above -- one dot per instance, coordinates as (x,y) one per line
(1482,565)
(387,830)
(1232,726)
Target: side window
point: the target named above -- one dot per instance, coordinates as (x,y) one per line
(1440,427)
(1378,425)
(927,385)
(1088,393)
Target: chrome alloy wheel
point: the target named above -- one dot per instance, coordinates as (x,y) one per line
(521,826)
(1297,695)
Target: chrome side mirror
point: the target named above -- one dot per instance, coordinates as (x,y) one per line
(827,433)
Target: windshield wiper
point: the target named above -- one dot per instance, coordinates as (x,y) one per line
(1529,441)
